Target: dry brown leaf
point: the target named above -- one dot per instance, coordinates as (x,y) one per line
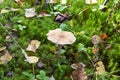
(100,69)
(79,73)
(6,57)
(34,44)
(103,36)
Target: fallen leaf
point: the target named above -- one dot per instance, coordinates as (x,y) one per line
(100,69)
(79,73)
(6,57)
(62,17)
(103,36)
(34,44)
(32,59)
(2,48)
(30,12)
(95,39)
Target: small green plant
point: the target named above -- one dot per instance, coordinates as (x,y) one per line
(30,76)
(42,75)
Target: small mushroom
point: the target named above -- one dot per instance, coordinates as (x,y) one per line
(61,37)
(95,39)
(32,59)
(6,57)
(30,12)
(34,44)
(91,1)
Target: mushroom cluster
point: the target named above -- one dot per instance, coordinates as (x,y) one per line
(61,37)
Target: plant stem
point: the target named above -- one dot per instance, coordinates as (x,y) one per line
(33,69)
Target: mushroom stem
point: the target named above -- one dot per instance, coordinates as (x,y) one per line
(33,69)
(59,50)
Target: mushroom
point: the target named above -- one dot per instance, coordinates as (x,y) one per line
(30,12)
(6,57)
(95,39)
(61,37)
(63,2)
(32,59)
(91,1)
(33,46)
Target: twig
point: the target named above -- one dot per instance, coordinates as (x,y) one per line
(23,51)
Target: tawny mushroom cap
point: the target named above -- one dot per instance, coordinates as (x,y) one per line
(61,37)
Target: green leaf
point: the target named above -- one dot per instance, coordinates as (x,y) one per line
(31,76)
(43,73)
(81,47)
(56,7)
(62,8)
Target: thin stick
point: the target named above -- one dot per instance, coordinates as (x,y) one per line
(23,51)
